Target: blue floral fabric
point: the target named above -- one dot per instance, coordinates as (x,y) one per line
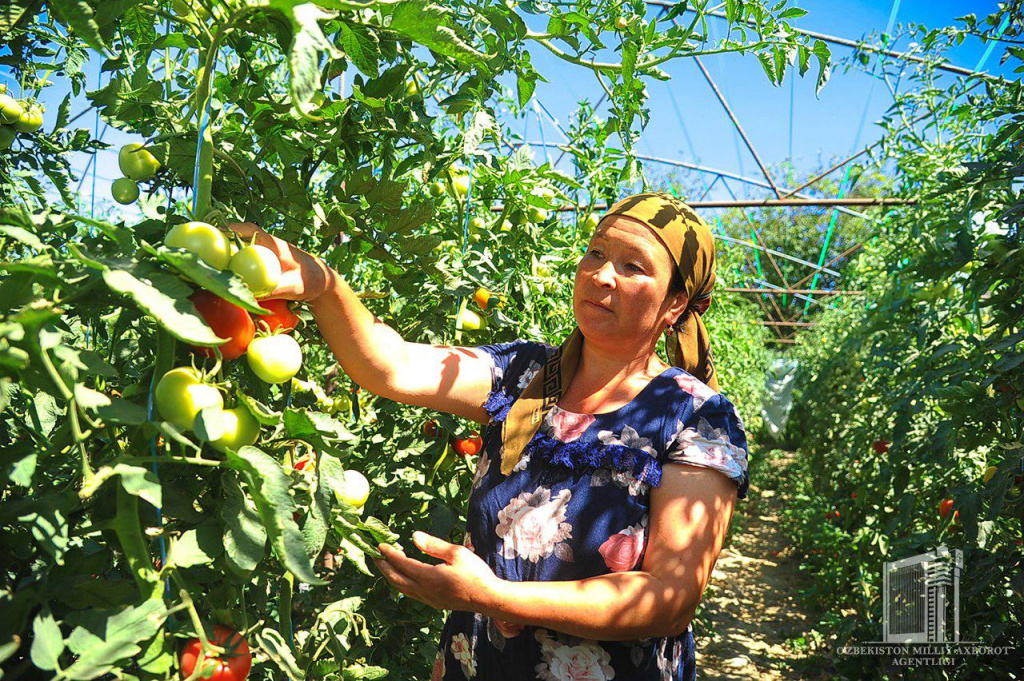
(576,506)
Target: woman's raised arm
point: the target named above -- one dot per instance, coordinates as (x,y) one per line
(445,378)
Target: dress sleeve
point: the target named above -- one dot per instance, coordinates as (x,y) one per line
(513,365)
(712,436)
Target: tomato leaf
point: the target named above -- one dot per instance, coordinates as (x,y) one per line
(173,314)
(225,284)
(274,645)
(200,546)
(78,15)
(103,637)
(270,489)
(308,41)
(430,25)
(245,538)
(47,641)
(110,409)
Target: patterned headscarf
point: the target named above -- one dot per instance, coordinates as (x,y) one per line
(692,246)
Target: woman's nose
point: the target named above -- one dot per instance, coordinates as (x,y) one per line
(605,275)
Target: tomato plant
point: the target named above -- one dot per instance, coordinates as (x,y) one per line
(137,163)
(181,394)
(280,316)
(275,358)
(228,321)
(140,458)
(258,267)
(124,191)
(232,665)
(204,240)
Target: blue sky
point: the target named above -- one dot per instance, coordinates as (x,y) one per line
(824,127)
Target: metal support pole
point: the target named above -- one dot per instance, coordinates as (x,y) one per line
(793,291)
(739,128)
(764,203)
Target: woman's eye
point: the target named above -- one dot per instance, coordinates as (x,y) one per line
(636,267)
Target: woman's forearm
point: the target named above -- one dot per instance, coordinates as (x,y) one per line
(620,606)
(368,350)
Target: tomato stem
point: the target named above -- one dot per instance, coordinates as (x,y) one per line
(129,534)
(285,607)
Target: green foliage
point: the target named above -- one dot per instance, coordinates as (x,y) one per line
(908,394)
(120,535)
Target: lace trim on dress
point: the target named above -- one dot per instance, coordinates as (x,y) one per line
(585,456)
(498,404)
(580,455)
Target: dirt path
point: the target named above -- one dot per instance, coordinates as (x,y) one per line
(754,601)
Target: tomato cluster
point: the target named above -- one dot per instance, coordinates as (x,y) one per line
(17,115)
(137,165)
(273,355)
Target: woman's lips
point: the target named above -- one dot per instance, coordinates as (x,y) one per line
(600,307)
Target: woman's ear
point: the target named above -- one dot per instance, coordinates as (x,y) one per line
(678,307)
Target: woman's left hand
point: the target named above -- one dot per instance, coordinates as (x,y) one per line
(462,582)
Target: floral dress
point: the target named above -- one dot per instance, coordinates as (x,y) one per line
(576,506)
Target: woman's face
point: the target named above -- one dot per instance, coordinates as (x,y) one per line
(619,296)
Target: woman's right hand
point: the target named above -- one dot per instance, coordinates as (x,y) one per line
(303,276)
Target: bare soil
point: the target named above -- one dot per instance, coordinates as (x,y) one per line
(761,624)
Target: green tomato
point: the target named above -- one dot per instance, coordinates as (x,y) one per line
(591,221)
(538,214)
(259,268)
(460,181)
(545,193)
(477,224)
(240,428)
(437,189)
(136,162)
(204,240)
(181,395)
(31,119)
(124,191)
(471,321)
(7,135)
(355,489)
(275,359)
(10,109)
(412,88)
(622,23)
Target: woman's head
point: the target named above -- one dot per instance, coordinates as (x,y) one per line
(624,297)
(627,289)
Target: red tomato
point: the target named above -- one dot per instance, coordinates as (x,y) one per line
(280,317)
(431,429)
(881,446)
(234,665)
(469,446)
(945,507)
(227,321)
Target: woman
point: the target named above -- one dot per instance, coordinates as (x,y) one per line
(607,480)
